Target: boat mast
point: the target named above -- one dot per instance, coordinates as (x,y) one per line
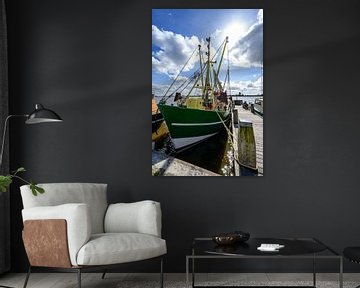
(200,75)
(222,56)
(201,68)
(216,73)
(207,79)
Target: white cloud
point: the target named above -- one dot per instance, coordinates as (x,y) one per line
(175,49)
(247,87)
(181,85)
(159,89)
(248,50)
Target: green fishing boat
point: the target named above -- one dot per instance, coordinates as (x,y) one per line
(205,110)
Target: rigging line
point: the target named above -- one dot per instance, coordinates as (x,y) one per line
(225,79)
(189,80)
(186,81)
(217,80)
(195,77)
(187,85)
(180,72)
(182,84)
(217,51)
(231,136)
(197,71)
(167,91)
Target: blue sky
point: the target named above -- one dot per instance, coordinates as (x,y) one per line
(177,32)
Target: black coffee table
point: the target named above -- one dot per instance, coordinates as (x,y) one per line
(294,248)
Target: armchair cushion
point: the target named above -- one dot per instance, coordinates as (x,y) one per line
(113,248)
(78,221)
(92,194)
(138,217)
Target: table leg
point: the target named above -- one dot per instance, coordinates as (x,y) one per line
(187,272)
(314,271)
(193,268)
(193,272)
(341,273)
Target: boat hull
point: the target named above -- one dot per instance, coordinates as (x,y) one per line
(157,120)
(189,126)
(259,107)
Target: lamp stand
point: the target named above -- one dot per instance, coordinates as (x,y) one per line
(4,135)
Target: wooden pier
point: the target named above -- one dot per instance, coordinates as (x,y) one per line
(257,123)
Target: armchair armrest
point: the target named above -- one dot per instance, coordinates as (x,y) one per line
(77,219)
(138,217)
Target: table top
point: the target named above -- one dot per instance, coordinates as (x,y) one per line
(292,247)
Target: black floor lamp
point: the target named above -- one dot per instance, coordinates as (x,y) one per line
(39,115)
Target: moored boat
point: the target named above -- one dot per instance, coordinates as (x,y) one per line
(198,116)
(259,106)
(188,126)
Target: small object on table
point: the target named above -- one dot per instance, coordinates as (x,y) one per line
(231,238)
(224,239)
(270,247)
(242,236)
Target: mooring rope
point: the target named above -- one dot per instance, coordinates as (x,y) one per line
(230,134)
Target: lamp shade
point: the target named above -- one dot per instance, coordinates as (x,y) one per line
(42,115)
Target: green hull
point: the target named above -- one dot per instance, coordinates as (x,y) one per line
(188,126)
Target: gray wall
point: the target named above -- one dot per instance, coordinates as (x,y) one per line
(90,61)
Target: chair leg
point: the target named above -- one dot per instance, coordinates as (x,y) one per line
(103,275)
(161,273)
(79,277)
(27,277)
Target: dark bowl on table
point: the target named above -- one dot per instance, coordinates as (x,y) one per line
(225,239)
(231,238)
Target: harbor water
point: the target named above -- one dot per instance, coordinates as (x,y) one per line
(214,154)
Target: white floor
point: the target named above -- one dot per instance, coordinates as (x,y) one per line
(117,280)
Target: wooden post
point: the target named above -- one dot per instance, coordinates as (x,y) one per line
(236,116)
(247,145)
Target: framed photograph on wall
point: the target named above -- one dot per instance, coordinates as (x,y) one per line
(207,92)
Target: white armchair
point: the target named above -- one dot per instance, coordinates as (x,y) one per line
(72,228)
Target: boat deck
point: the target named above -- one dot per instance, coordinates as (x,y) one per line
(258,133)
